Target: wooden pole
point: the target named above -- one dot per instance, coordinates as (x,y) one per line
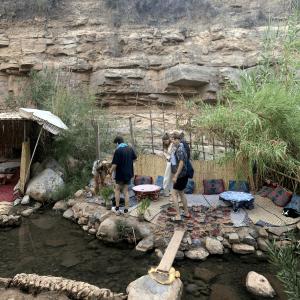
(203,150)
(98,141)
(36,144)
(151,128)
(131,132)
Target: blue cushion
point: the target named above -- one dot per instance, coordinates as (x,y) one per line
(159,181)
(238,186)
(189,189)
(294,203)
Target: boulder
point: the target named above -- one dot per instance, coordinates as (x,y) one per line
(147,288)
(68,214)
(112,228)
(42,187)
(214,246)
(233,238)
(145,244)
(242,248)
(189,75)
(249,240)
(262,232)
(258,285)
(27,212)
(60,205)
(51,163)
(262,244)
(79,194)
(36,169)
(25,200)
(197,254)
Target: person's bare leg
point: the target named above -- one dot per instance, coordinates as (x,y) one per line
(175,203)
(184,202)
(117,194)
(96,179)
(126,195)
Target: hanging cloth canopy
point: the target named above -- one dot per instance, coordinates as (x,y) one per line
(46,119)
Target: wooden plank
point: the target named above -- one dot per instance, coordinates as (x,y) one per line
(170,253)
(25,159)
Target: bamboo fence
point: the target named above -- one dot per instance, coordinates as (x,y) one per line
(153,165)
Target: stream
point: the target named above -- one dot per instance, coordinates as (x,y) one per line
(48,244)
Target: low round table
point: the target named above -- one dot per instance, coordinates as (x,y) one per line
(144,191)
(238,199)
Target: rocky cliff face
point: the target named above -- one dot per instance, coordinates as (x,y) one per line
(130,51)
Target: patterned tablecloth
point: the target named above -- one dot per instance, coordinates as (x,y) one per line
(150,191)
(238,199)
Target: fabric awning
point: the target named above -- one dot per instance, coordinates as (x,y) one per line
(46,119)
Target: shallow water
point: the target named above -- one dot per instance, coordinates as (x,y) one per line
(48,244)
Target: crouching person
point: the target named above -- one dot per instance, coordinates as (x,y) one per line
(122,171)
(100,171)
(180,178)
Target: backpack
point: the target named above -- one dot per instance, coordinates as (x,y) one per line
(190,169)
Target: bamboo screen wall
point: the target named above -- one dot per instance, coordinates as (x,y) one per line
(153,165)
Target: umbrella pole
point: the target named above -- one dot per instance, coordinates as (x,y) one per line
(35,146)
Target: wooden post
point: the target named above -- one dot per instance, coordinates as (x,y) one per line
(25,158)
(98,141)
(203,150)
(214,150)
(131,132)
(163,115)
(151,128)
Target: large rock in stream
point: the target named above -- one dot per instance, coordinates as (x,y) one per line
(42,186)
(117,228)
(259,285)
(147,288)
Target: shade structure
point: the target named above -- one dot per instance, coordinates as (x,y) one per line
(46,119)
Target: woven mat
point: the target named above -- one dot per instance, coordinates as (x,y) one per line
(153,210)
(267,212)
(5,207)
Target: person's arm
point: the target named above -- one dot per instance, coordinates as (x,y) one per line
(179,169)
(113,169)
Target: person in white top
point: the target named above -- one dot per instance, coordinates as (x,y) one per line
(168,149)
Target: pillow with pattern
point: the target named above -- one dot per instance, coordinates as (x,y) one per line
(138,180)
(280,196)
(213,186)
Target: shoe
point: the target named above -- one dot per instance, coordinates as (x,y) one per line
(116,210)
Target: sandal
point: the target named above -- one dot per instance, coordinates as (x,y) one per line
(174,219)
(188,216)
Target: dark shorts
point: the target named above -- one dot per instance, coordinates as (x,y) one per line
(181,183)
(126,182)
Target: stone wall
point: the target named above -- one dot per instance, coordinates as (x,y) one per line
(127,56)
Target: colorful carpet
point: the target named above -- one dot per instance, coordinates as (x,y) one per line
(7,192)
(204,221)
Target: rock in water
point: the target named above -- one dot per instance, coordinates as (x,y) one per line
(147,288)
(25,200)
(197,254)
(42,187)
(258,285)
(214,246)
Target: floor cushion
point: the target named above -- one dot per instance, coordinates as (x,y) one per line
(238,186)
(213,186)
(138,180)
(280,196)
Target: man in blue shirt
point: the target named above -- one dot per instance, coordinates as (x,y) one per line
(122,166)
